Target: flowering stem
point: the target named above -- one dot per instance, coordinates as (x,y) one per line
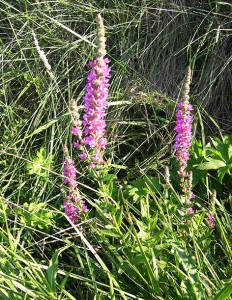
(95,104)
(182,144)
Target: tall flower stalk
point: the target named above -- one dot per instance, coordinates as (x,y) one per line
(95,103)
(183,137)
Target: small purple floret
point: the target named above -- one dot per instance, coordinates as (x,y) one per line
(190,211)
(210,221)
(75,130)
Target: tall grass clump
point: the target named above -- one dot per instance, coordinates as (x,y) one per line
(115,184)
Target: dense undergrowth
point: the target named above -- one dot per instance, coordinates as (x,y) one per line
(135,241)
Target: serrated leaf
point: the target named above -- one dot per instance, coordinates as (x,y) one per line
(215,154)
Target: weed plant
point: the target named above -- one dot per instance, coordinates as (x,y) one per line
(135,241)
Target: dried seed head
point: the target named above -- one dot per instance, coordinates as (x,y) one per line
(66,153)
(42,56)
(167,176)
(186,87)
(213,199)
(75,114)
(101,40)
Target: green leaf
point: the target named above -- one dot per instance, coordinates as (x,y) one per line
(153,280)
(39,163)
(70,297)
(225,292)
(111,232)
(53,269)
(221,172)
(230,151)
(143,235)
(118,166)
(119,215)
(197,149)
(3,295)
(153,221)
(212,164)
(190,268)
(224,147)
(216,141)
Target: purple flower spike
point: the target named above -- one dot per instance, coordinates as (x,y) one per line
(73,206)
(70,173)
(95,105)
(183,137)
(183,129)
(91,139)
(71,211)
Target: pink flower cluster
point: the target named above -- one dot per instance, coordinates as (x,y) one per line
(73,205)
(95,105)
(190,211)
(182,143)
(210,221)
(70,173)
(183,129)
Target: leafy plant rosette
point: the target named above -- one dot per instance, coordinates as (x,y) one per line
(211,164)
(219,156)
